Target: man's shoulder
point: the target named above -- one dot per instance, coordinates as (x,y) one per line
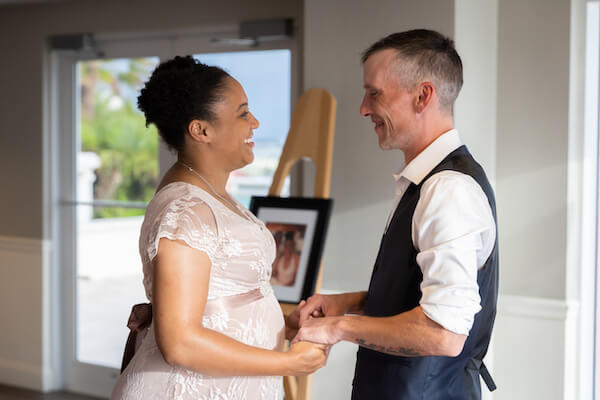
(450,192)
(449,180)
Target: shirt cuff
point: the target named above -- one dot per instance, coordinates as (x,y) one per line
(453,319)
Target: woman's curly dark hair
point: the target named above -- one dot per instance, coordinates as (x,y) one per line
(180,90)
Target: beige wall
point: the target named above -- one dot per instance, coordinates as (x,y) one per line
(23,33)
(532,151)
(362,183)
(21,352)
(476,37)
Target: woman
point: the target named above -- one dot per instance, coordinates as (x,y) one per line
(217,329)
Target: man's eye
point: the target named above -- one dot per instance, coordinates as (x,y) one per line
(373,94)
(244,114)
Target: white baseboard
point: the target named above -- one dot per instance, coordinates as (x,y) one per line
(16,373)
(534,307)
(22,245)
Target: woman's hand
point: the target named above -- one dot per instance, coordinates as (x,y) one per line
(305,358)
(292,322)
(327,330)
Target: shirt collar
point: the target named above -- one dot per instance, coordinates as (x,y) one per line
(416,170)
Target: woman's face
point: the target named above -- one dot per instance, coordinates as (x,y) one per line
(234,126)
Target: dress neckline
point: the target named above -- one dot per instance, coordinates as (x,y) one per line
(249,217)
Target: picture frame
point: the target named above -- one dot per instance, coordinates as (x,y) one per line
(299,227)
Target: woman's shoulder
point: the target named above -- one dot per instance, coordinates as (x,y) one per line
(178,199)
(180,212)
(180,192)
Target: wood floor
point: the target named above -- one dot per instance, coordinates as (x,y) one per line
(11,393)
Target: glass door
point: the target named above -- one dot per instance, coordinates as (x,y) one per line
(109,170)
(117,172)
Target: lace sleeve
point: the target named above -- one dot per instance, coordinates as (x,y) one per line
(189,220)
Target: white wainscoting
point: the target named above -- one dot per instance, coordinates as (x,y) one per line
(21,312)
(526,357)
(529,346)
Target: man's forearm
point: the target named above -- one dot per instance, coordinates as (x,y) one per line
(355,302)
(409,334)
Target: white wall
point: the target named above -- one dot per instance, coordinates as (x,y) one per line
(528,348)
(532,167)
(476,37)
(532,151)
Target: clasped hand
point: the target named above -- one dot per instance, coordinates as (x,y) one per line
(316,320)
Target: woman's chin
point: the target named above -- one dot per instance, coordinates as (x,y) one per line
(249,159)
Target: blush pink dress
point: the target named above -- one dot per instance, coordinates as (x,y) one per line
(241,251)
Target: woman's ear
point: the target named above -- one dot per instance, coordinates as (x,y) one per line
(199,130)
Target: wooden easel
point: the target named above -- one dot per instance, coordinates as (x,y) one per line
(310,136)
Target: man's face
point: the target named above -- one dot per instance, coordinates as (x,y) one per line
(387,103)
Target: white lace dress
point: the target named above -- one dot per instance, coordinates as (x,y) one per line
(241,252)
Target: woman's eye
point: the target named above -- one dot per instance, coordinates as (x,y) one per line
(244,114)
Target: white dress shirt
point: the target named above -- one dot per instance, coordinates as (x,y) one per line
(454,232)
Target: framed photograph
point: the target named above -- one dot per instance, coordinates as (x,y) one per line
(299,226)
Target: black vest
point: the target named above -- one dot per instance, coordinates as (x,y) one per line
(395,288)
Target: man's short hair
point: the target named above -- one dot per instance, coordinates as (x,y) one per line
(425,55)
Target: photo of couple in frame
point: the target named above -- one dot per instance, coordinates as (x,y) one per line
(299,227)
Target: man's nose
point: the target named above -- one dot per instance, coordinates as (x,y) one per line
(365,110)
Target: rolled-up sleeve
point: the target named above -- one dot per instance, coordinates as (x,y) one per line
(454,231)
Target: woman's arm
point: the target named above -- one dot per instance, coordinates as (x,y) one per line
(181,276)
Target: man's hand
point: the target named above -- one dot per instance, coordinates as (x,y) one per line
(320,330)
(320,305)
(292,321)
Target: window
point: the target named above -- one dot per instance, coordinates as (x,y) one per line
(117,173)
(266,78)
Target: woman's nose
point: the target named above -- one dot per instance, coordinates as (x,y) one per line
(255,123)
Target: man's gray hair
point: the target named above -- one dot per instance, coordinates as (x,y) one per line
(425,55)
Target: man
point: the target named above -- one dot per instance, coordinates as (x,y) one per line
(428,314)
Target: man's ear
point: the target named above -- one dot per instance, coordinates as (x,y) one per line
(424,95)
(199,130)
